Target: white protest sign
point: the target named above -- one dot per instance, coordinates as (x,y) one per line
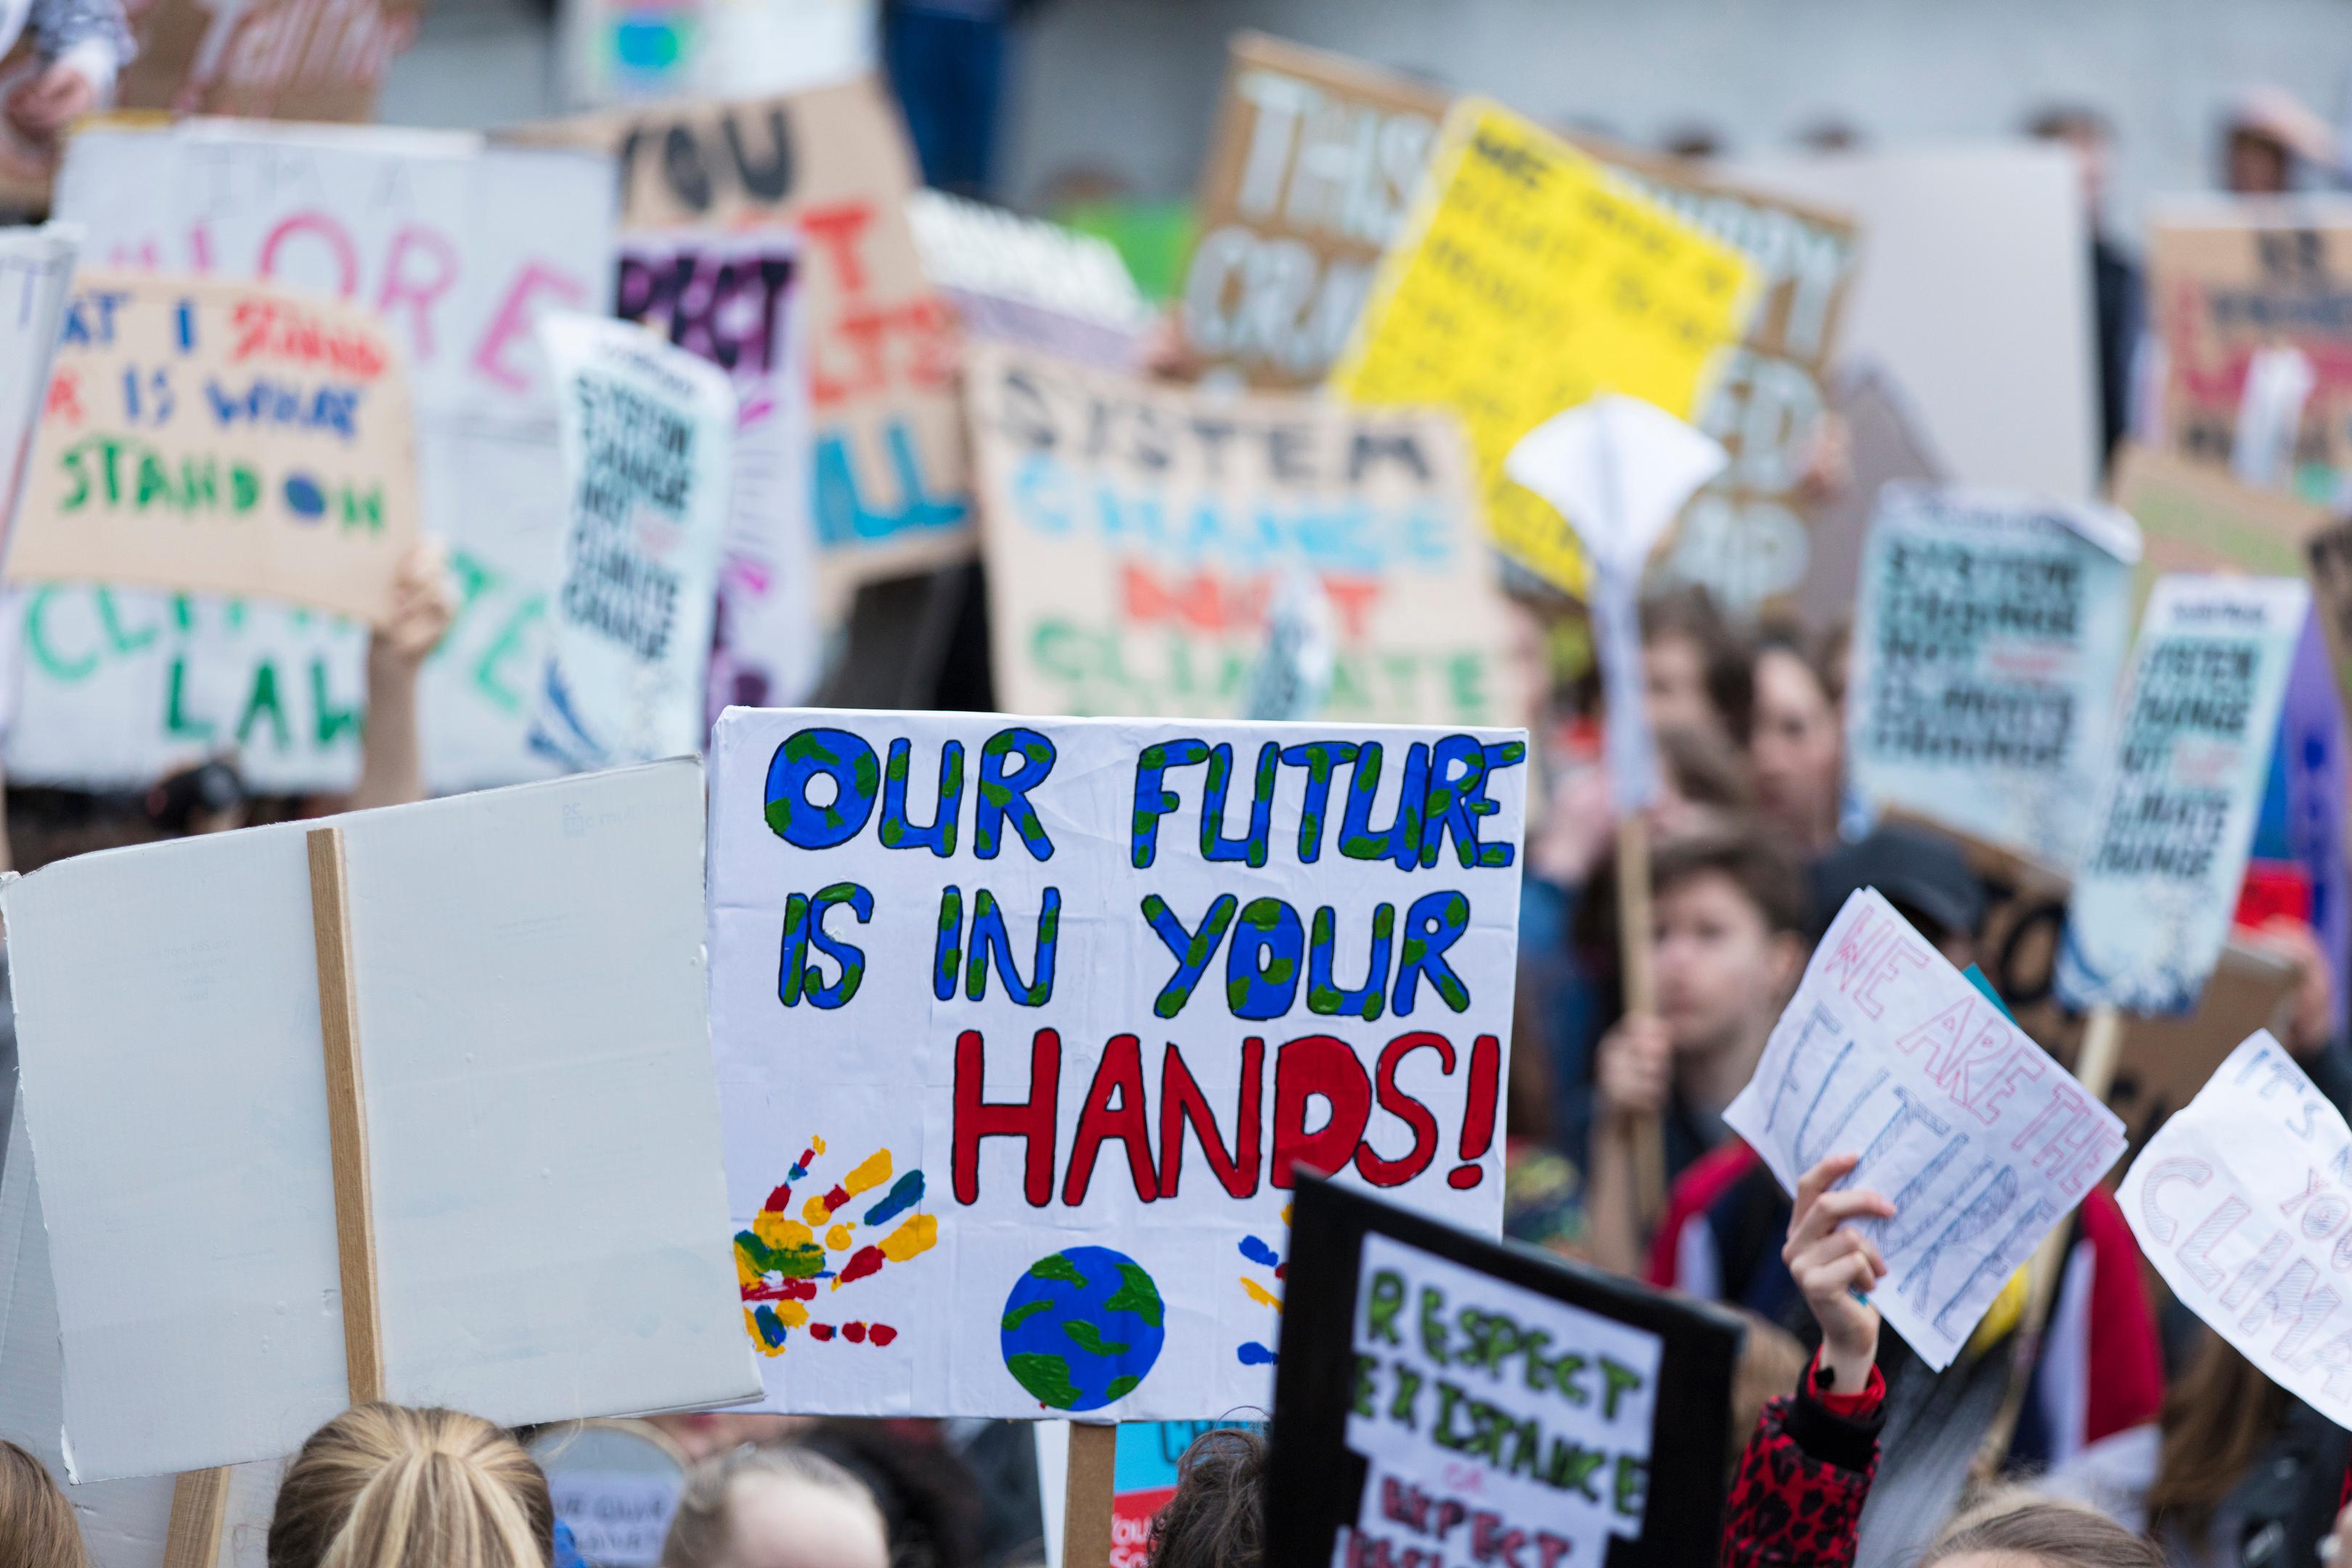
(2241,1200)
(36,276)
(648,445)
(1603,1411)
(1987,643)
(1618,469)
(2175,821)
(541,1121)
(1980,1139)
(735,299)
(457,246)
(124,1523)
(117,687)
(1022,1025)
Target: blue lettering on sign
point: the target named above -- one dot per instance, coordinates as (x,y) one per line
(1345,535)
(843,516)
(268,402)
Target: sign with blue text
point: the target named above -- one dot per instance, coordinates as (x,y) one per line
(1024,1026)
(1138,538)
(1988,641)
(2159,877)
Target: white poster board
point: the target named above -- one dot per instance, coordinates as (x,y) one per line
(622,51)
(37,268)
(2175,821)
(1014,1085)
(1987,644)
(1973,295)
(123,1523)
(458,246)
(2241,1200)
(541,1121)
(1982,1142)
(648,435)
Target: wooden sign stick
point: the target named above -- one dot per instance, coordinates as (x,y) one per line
(338,1027)
(2094,1068)
(200,1497)
(1649,1133)
(1087,1500)
(199,1506)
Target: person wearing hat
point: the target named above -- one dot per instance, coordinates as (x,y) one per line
(2269,138)
(1923,874)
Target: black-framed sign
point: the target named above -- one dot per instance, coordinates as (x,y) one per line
(1443,1400)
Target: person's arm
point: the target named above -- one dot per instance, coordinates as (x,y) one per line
(87,42)
(392,771)
(1632,1076)
(1804,1475)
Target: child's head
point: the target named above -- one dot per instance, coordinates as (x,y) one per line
(775,1507)
(1217,1517)
(1794,744)
(384,1486)
(37,1523)
(2021,1531)
(1695,672)
(1727,911)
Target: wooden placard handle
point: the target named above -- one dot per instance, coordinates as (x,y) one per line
(1086,1501)
(1640,995)
(199,1506)
(339,1029)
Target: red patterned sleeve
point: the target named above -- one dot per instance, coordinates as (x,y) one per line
(1798,1496)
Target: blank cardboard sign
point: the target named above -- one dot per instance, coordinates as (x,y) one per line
(123,1523)
(541,1115)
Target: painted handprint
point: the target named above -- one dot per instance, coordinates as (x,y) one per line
(1250,1352)
(780,1261)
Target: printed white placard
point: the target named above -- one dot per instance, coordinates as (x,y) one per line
(648,447)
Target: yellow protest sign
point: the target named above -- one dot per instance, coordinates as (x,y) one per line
(1527,278)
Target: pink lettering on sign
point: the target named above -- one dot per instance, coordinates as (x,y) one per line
(493,356)
(326,231)
(2075,1142)
(1870,953)
(416,285)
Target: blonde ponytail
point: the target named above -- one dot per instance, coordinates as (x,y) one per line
(383,1486)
